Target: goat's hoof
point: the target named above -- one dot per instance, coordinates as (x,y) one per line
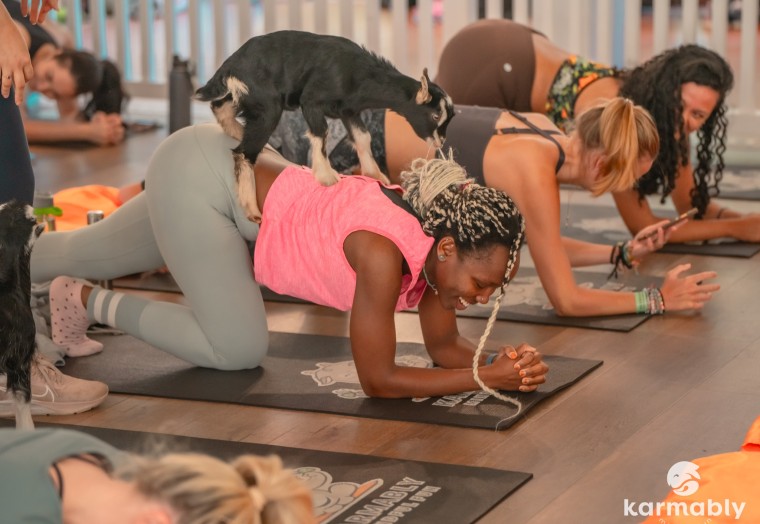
(326,177)
(380,177)
(377,175)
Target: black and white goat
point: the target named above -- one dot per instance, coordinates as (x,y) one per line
(18,231)
(326,76)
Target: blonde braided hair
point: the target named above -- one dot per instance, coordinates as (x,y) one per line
(477,217)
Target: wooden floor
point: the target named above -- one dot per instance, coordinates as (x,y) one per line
(675,388)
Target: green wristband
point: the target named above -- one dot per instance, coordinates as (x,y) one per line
(642,301)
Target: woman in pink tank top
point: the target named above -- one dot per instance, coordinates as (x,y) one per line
(447,245)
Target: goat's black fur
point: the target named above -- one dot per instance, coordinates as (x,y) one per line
(326,76)
(18,231)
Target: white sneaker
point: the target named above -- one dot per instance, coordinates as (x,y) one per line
(54,393)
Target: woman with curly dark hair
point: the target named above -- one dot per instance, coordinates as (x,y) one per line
(519,68)
(690,82)
(63,74)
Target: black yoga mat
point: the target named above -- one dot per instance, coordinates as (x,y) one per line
(353,488)
(308,373)
(740,183)
(525,300)
(603,225)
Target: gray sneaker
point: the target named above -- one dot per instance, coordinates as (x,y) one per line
(54,393)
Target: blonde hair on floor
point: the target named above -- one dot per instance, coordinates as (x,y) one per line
(205,490)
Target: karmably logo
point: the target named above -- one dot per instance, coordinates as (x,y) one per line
(684,478)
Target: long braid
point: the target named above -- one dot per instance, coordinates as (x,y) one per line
(489,327)
(477,217)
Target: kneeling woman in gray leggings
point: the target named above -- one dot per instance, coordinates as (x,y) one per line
(357,245)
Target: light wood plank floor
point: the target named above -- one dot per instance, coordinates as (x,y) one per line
(676,388)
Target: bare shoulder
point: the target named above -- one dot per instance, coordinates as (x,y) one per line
(368,251)
(521,163)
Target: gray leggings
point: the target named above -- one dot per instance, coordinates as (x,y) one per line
(188,218)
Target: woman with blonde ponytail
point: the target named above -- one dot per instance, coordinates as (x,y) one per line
(526,156)
(66,476)
(612,146)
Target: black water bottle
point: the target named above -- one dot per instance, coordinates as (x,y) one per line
(180,93)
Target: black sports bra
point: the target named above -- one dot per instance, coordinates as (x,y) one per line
(471,130)
(534,129)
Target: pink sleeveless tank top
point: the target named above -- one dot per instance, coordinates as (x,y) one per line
(299,249)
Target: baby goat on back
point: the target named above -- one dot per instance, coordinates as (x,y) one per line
(18,231)
(326,76)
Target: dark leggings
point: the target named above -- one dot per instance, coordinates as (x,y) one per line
(16,176)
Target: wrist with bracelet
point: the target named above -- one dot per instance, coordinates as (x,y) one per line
(621,254)
(490,358)
(650,301)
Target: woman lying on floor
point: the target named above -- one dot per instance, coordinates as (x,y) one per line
(62,74)
(528,158)
(357,246)
(66,476)
(520,69)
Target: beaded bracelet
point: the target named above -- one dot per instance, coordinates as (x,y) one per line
(655,300)
(650,301)
(626,255)
(620,254)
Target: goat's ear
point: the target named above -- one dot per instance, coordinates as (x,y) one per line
(423,95)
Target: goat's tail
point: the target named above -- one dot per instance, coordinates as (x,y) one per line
(222,85)
(214,89)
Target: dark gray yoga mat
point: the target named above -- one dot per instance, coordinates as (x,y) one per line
(353,488)
(525,300)
(740,183)
(603,225)
(308,373)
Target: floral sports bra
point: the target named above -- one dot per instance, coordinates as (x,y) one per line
(574,75)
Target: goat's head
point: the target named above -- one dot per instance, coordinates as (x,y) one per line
(18,227)
(431,112)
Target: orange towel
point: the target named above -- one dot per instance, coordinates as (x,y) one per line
(726,481)
(75,202)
